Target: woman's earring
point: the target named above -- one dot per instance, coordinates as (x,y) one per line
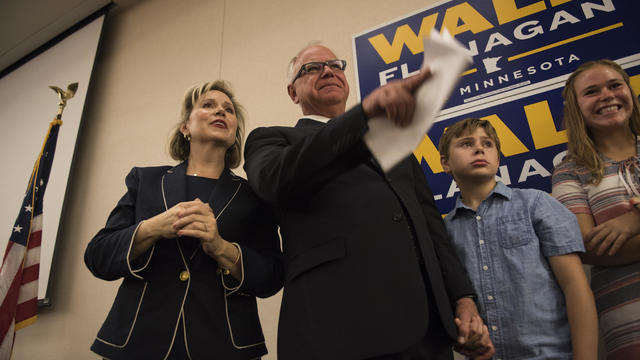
(188,137)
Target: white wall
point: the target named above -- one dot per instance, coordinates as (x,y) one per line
(151,52)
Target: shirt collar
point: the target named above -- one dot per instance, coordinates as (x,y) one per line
(320,118)
(500,189)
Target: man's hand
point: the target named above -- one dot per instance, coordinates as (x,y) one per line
(396,99)
(473,335)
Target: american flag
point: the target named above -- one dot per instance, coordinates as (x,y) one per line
(21,262)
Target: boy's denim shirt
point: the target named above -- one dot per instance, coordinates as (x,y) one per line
(504,246)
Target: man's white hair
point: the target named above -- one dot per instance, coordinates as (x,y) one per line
(291,73)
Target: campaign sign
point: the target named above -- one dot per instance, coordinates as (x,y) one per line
(523,51)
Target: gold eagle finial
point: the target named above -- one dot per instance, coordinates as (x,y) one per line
(64,95)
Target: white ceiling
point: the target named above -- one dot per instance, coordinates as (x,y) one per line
(25,25)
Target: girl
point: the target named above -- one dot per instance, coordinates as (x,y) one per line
(597,181)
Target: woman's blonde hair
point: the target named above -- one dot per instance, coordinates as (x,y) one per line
(581,145)
(179,147)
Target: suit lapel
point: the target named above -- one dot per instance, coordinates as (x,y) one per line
(224,192)
(222,195)
(174,189)
(174,185)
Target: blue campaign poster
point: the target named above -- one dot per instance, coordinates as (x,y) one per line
(523,51)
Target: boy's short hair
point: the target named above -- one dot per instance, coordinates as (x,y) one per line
(463,127)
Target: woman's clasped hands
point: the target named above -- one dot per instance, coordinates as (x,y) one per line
(196,219)
(189,218)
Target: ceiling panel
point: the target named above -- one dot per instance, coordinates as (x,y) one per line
(25,25)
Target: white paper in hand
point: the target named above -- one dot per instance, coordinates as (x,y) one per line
(447,59)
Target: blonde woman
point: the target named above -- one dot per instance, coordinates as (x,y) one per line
(597,182)
(192,244)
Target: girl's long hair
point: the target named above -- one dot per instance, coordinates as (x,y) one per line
(581,145)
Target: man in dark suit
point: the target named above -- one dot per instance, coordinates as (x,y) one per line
(369,270)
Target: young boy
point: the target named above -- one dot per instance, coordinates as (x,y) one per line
(519,247)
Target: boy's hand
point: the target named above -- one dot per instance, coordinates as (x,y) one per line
(473,335)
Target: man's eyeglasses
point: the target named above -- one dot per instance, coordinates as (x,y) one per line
(316,67)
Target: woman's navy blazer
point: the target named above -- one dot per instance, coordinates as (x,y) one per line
(169,285)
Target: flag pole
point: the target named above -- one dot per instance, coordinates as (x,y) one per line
(63,96)
(21,261)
